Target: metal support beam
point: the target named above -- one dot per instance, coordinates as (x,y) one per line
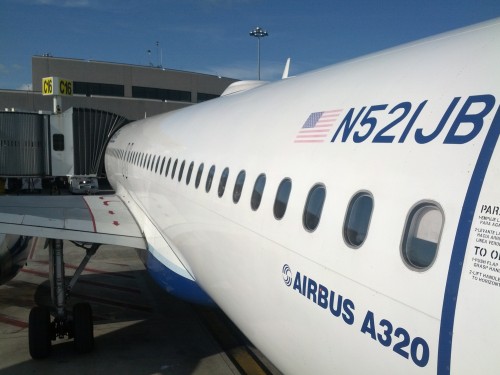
(57,282)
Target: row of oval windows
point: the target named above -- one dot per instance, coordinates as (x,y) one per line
(421,233)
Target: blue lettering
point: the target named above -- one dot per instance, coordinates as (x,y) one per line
(348,314)
(348,123)
(476,119)
(381,137)
(335,304)
(412,121)
(367,120)
(323,296)
(369,325)
(312,287)
(296,283)
(386,338)
(419,135)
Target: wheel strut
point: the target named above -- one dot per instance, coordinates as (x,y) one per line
(78,325)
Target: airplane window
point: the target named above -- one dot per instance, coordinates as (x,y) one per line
(222,183)
(153,162)
(181,170)
(314,207)
(210,177)
(281,201)
(198,176)
(174,167)
(149,160)
(162,165)
(190,171)
(421,235)
(238,186)
(258,191)
(168,166)
(157,163)
(357,219)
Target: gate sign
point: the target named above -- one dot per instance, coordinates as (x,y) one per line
(57,86)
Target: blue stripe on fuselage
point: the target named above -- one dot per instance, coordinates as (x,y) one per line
(176,284)
(460,245)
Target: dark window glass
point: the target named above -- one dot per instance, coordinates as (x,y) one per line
(238,186)
(162,165)
(357,219)
(422,235)
(149,161)
(161,94)
(174,167)
(258,191)
(190,171)
(153,162)
(281,201)
(58,142)
(210,178)
(314,207)
(103,89)
(202,97)
(223,181)
(168,166)
(181,170)
(157,163)
(198,176)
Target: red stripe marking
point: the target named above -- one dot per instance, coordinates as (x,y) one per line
(91,214)
(12,321)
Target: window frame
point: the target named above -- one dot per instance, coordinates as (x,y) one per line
(181,171)
(408,226)
(199,174)
(289,180)
(174,167)
(254,191)
(222,182)
(309,196)
(236,198)
(189,173)
(210,178)
(348,215)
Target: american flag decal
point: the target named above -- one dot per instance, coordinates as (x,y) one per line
(317,127)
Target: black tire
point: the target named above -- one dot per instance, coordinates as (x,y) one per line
(83,326)
(39,332)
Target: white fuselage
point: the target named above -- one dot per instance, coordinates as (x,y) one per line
(409,127)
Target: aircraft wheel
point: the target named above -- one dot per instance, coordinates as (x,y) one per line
(39,332)
(83,328)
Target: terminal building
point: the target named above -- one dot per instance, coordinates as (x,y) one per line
(131,91)
(65,135)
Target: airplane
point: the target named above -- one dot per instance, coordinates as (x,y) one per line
(347,220)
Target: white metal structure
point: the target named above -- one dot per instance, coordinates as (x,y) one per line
(347,220)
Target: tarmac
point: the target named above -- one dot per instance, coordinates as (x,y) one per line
(138,328)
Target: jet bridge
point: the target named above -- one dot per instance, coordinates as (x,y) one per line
(71,143)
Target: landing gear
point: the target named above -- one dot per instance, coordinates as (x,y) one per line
(77,325)
(39,332)
(83,328)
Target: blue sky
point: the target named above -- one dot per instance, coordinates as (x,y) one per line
(211,36)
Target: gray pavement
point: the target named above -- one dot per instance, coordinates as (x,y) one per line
(139,329)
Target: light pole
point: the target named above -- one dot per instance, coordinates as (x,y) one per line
(258,33)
